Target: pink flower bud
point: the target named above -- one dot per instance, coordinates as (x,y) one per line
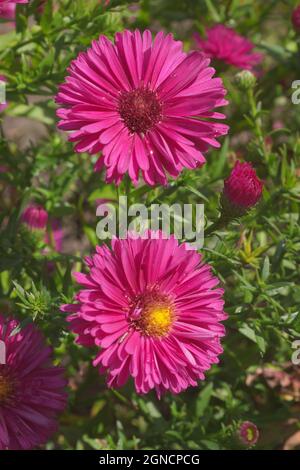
(36,217)
(242,189)
(296,18)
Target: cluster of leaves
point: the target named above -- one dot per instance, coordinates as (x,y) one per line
(257,259)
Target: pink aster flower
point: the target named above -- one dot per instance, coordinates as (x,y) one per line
(31,388)
(13,1)
(225,44)
(151,307)
(296,18)
(7,11)
(242,189)
(147,105)
(8,8)
(36,217)
(248,433)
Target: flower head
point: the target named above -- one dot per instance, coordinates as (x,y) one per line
(296,18)
(242,189)
(13,1)
(225,44)
(147,105)
(8,8)
(36,217)
(31,388)
(248,433)
(151,307)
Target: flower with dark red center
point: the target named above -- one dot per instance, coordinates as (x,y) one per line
(151,307)
(31,388)
(140,110)
(242,189)
(145,104)
(226,45)
(35,217)
(296,18)
(248,433)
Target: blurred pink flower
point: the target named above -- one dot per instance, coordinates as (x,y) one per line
(225,44)
(248,433)
(152,307)
(8,8)
(5,2)
(147,105)
(31,388)
(35,216)
(296,18)
(7,11)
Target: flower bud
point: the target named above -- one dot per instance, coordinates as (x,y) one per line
(245,80)
(35,217)
(242,190)
(296,19)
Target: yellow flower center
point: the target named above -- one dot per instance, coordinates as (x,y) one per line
(157,321)
(155,314)
(250,434)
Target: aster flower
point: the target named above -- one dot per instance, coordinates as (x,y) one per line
(151,307)
(296,18)
(35,217)
(8,8)
(242,189)
(7,2)
(248,433)
(31,388)
(145,104)
(7,11)
(225,44)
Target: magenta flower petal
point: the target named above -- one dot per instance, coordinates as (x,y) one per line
(152,308)
(31,389)
(225,44)
(146,104)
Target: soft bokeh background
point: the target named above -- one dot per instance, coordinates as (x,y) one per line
(257,260)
